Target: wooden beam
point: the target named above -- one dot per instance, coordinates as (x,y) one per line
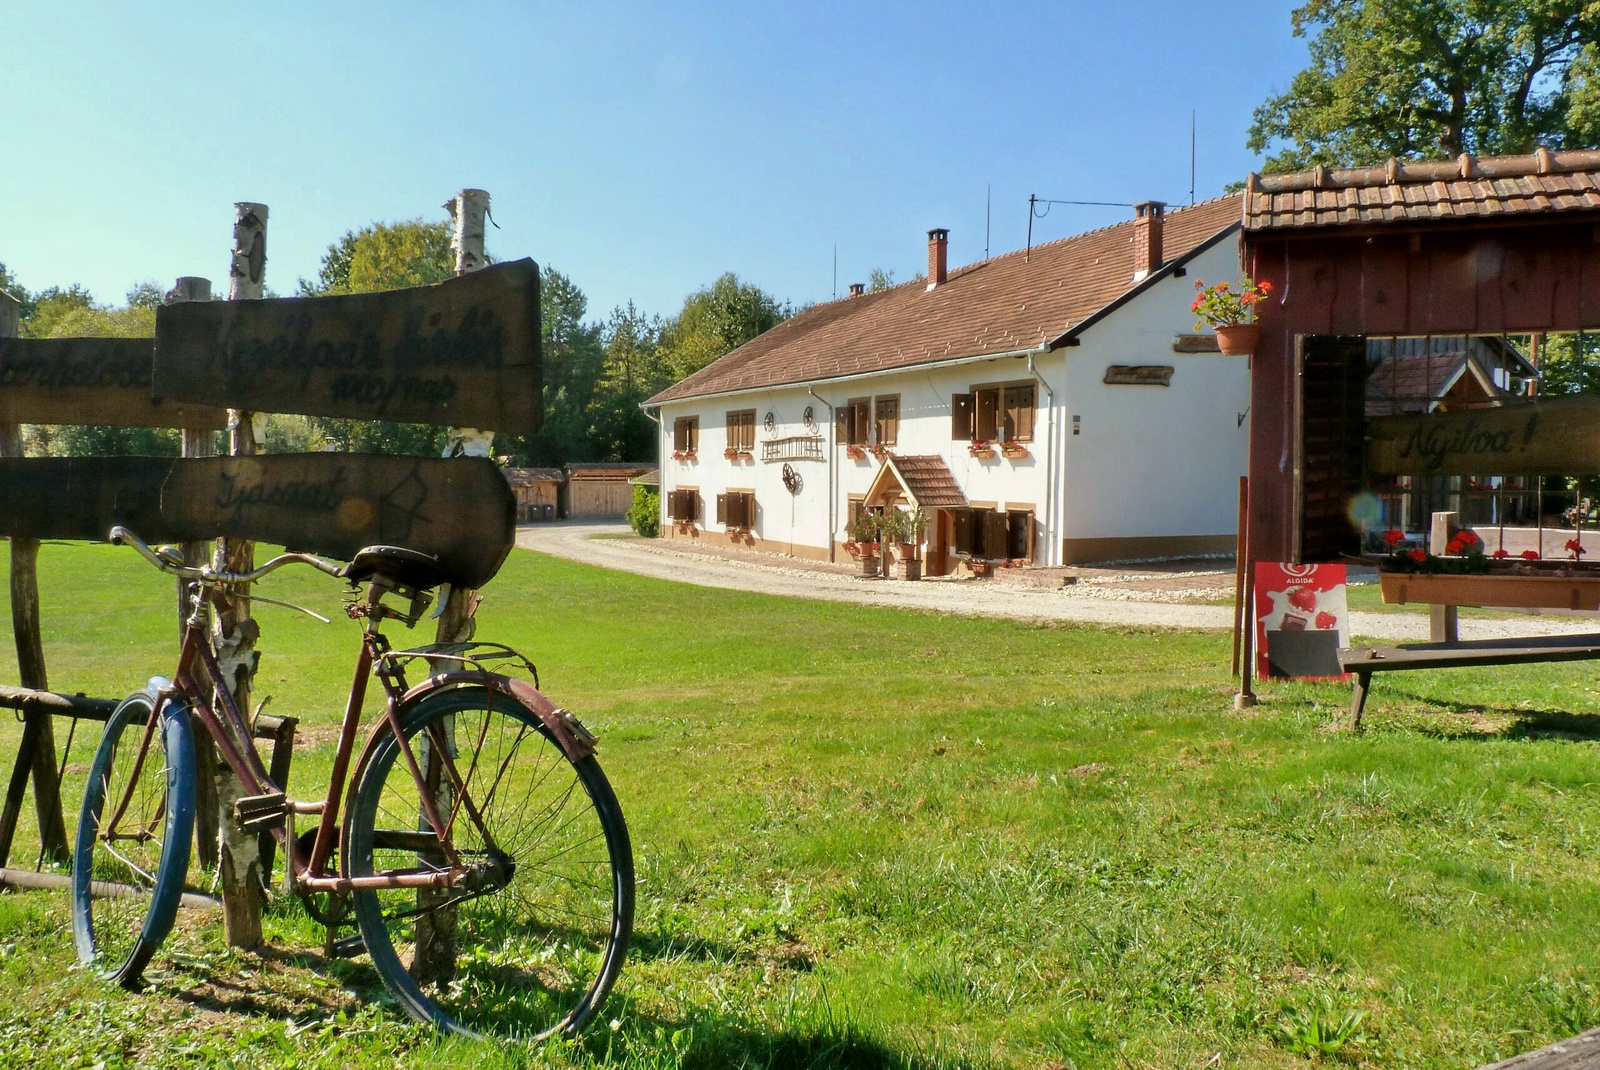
(29,880)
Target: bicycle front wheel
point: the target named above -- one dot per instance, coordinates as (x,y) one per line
(535,946)
(134,833)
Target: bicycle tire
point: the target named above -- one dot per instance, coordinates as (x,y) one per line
(118,934)
(545,975)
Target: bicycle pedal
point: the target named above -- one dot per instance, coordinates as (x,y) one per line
(348,948)
(257,813)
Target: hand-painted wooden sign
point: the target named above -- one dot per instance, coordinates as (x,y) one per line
(461,510)
(463,353)
(1138,375)
(82,497)
(1549,437)
(89,381)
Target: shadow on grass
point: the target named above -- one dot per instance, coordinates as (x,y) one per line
(814,1035)
(1485,722)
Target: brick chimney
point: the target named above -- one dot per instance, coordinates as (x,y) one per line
(938,256)
(1147,224)
(857,289)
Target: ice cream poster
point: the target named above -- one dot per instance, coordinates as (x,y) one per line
(1301,619)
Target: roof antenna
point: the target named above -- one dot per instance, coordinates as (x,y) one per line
(1191,157)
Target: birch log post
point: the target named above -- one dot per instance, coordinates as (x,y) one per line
(36,755)
(198,442)
(234,631)
(434,959)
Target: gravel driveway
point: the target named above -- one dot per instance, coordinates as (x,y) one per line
(1083,603)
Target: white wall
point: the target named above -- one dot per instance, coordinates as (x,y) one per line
(1151,460)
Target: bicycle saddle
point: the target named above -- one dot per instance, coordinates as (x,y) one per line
(408,568)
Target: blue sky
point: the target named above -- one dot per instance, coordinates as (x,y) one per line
(642,149)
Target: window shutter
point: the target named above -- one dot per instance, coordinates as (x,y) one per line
(722,509)
(961,525)
(747,432)
(694,433)
(994,535)
(749,510)
(887,420)
(862,421)
(986,421)
(694,505)
(672,505)
(841,425)
(678,436)
(1019,412)
(1033,537)
(961,417)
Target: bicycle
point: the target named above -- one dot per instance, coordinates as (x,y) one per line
(476,818)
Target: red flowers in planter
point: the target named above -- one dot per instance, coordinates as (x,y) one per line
(1501,554)
(1575,548)
(1530,555)
(1393,537)
(1464,542)
(1418,556)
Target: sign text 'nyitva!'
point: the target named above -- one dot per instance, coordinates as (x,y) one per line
(461,353)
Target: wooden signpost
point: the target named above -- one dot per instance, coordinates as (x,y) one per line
(1545,437)
(460,353)
(96,381)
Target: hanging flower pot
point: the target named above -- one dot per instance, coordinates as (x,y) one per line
(1238,339)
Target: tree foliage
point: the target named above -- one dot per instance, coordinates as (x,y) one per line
(384,256)
(1431,78)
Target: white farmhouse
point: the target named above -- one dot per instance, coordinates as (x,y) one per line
(1052,406)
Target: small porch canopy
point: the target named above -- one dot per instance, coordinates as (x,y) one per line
(924,482)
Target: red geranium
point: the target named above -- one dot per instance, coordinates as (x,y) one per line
(1530,555)
(1418,556)
(1501,553)
(1575,548)
(1394,537)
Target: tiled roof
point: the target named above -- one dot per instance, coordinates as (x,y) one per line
(928,481)
(527,477)
(1413,191)
(605,470)
(1016,301)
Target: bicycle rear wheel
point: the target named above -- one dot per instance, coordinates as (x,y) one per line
(134,834)
(539,944)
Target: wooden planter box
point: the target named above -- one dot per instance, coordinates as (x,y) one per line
(1512,592)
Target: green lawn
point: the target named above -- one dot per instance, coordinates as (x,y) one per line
(876,838)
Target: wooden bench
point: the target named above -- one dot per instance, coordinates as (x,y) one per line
(1361,662)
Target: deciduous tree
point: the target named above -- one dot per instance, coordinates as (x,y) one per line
(1435,78)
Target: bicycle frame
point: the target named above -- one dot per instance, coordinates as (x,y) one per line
(226,726)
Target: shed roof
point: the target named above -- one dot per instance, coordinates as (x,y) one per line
(1011,302)
(527,477)
(1427,190)
(606,470)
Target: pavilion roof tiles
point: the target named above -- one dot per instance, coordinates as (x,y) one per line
(1423,191)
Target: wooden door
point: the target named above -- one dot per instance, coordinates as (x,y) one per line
(939,549)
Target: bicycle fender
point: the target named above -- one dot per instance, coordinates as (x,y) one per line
(575,741)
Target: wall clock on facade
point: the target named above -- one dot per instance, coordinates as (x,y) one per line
(770,422)
(791,479)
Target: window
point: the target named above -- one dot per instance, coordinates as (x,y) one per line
(742,431)
(886,419)
(686,434)
(852,422)
(994,413)
(684,505)
(1017,402)
(737,509)
(994,534)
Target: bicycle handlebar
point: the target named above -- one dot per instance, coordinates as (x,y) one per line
(121,536)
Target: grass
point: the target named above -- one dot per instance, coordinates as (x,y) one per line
(875,838)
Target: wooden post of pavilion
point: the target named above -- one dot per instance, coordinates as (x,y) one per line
(36,756)
(234,631)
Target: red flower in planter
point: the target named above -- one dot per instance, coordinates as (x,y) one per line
(1500,554)
(1530,555)
(1394,537)
(1575,548)
(1418,556)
